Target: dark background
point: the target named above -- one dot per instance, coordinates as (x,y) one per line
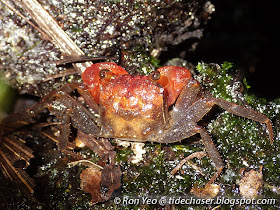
(247,34)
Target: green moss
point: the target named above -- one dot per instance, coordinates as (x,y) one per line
(226,66)
(7,95)
(140,56)
(216,79)
(76,29)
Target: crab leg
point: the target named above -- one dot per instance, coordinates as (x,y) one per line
(70,111)
(212,152)
(185,99)
(182,131)
(245,112)
(63,106)
(198,109)
(185,126)
(64,132)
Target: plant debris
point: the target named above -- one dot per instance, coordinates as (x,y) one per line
(209,191)
(251,183)
(101,183)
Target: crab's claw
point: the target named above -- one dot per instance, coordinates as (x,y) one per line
(173,79)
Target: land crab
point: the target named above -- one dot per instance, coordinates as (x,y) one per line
(163,107)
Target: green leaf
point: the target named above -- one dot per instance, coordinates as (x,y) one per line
(226,65)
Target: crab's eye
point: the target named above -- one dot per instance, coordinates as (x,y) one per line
(155,75)
(102,73)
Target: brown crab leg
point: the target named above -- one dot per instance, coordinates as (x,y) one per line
(182,131)
(202,106)
(245,112)
(212,152)
(186,125)
(64,132)
(186,98)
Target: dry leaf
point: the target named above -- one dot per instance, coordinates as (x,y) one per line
(101,184)
(251,183)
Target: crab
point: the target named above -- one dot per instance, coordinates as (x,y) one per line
(163,107)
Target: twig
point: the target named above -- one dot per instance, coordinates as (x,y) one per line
(51,28)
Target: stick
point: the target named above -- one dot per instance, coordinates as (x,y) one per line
(51,28)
